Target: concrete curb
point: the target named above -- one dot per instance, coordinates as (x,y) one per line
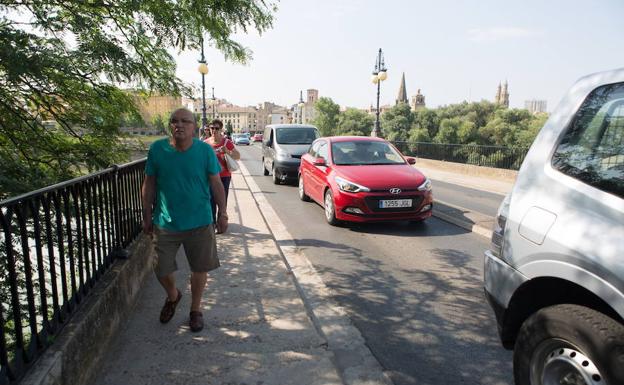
(353,359)
(484,231)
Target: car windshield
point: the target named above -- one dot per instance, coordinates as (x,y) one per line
(360,152)
(296,135)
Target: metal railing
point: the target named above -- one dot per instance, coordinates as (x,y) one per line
(489,156)
(55,243)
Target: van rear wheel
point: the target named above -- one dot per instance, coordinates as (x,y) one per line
(569,344)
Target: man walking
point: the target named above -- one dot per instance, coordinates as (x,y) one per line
(180,173)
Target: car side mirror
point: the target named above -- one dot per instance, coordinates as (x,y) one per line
(320,162)
(411,160)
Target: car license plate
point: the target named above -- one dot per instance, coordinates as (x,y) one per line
(395,203)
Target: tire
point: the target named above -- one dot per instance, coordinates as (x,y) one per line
(264,169)
(569,344)
(302,195)
(330,209)
(276,180)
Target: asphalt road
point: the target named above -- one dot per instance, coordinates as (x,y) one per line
(414,291)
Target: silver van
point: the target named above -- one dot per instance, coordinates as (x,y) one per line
(282,147)
(554,274)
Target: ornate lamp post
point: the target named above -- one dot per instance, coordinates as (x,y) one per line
(203,70)
(379,75)
(213,103)
(300,105)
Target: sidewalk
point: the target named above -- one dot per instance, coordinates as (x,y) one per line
(268,319)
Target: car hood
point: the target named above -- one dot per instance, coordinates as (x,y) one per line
(382,177)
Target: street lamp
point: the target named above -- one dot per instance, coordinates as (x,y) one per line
(213,103)
(379,75)
(203,70)
(300,105)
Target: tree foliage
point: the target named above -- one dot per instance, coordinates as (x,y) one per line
(326,115)
(66,61)
(354,122)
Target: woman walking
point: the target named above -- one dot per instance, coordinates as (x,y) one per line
(221,146)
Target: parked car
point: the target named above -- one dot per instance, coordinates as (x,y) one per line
(257,137)
(282,147)
(362,179)
(554,273)
(240,139)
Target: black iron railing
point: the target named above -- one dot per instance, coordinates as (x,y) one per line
(489,156)
(55,243)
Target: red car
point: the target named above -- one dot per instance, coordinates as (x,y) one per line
(257,137)
(362,179)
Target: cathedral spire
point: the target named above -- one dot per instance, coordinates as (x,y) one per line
(402,96)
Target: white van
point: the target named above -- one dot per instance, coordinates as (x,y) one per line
(554,274)
(282,147)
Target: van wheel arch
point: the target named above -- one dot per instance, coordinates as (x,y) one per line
(539,293)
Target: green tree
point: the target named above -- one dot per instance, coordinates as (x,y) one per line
(327,113)
(158,122)
(64,60)
(355,122)
(396,122)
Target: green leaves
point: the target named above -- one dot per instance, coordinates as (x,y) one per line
(66,62)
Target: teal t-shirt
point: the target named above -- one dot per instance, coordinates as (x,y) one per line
(182,185)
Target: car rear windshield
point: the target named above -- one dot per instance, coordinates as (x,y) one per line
(365,153)
(296,135)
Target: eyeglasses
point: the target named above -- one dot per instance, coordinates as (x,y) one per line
(213,128)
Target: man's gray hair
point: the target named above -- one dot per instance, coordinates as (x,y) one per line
(185,110)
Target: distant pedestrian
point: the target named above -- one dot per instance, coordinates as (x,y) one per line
(222,145)
(181,172)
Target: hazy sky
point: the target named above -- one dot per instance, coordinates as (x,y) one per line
(452,50)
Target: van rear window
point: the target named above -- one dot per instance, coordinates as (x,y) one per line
(296,135)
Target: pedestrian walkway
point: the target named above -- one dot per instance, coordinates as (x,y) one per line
(260,325)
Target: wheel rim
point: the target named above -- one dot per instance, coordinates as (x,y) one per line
(557,363)
(329,207)
(301,190)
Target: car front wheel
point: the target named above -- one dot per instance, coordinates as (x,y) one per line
(569,344)
(276,179)
(264,169)
(330,209)
(302,195)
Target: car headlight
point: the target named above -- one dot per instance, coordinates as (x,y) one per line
(282,154)
(425,186)
(349,186)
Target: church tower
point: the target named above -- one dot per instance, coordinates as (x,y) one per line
(402,96)
(502,95)
(418,101)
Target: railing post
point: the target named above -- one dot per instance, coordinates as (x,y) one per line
(118,250)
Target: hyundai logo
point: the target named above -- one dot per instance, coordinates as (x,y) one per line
(395,190)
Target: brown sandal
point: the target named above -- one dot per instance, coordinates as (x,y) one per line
(197,321)
(168,310)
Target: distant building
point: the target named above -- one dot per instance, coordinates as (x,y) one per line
(502,95)
(154,105)
(307,113)
(242,119)
(535,106)
(402,96)
(418,101)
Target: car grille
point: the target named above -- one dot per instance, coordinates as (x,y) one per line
(372,202)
